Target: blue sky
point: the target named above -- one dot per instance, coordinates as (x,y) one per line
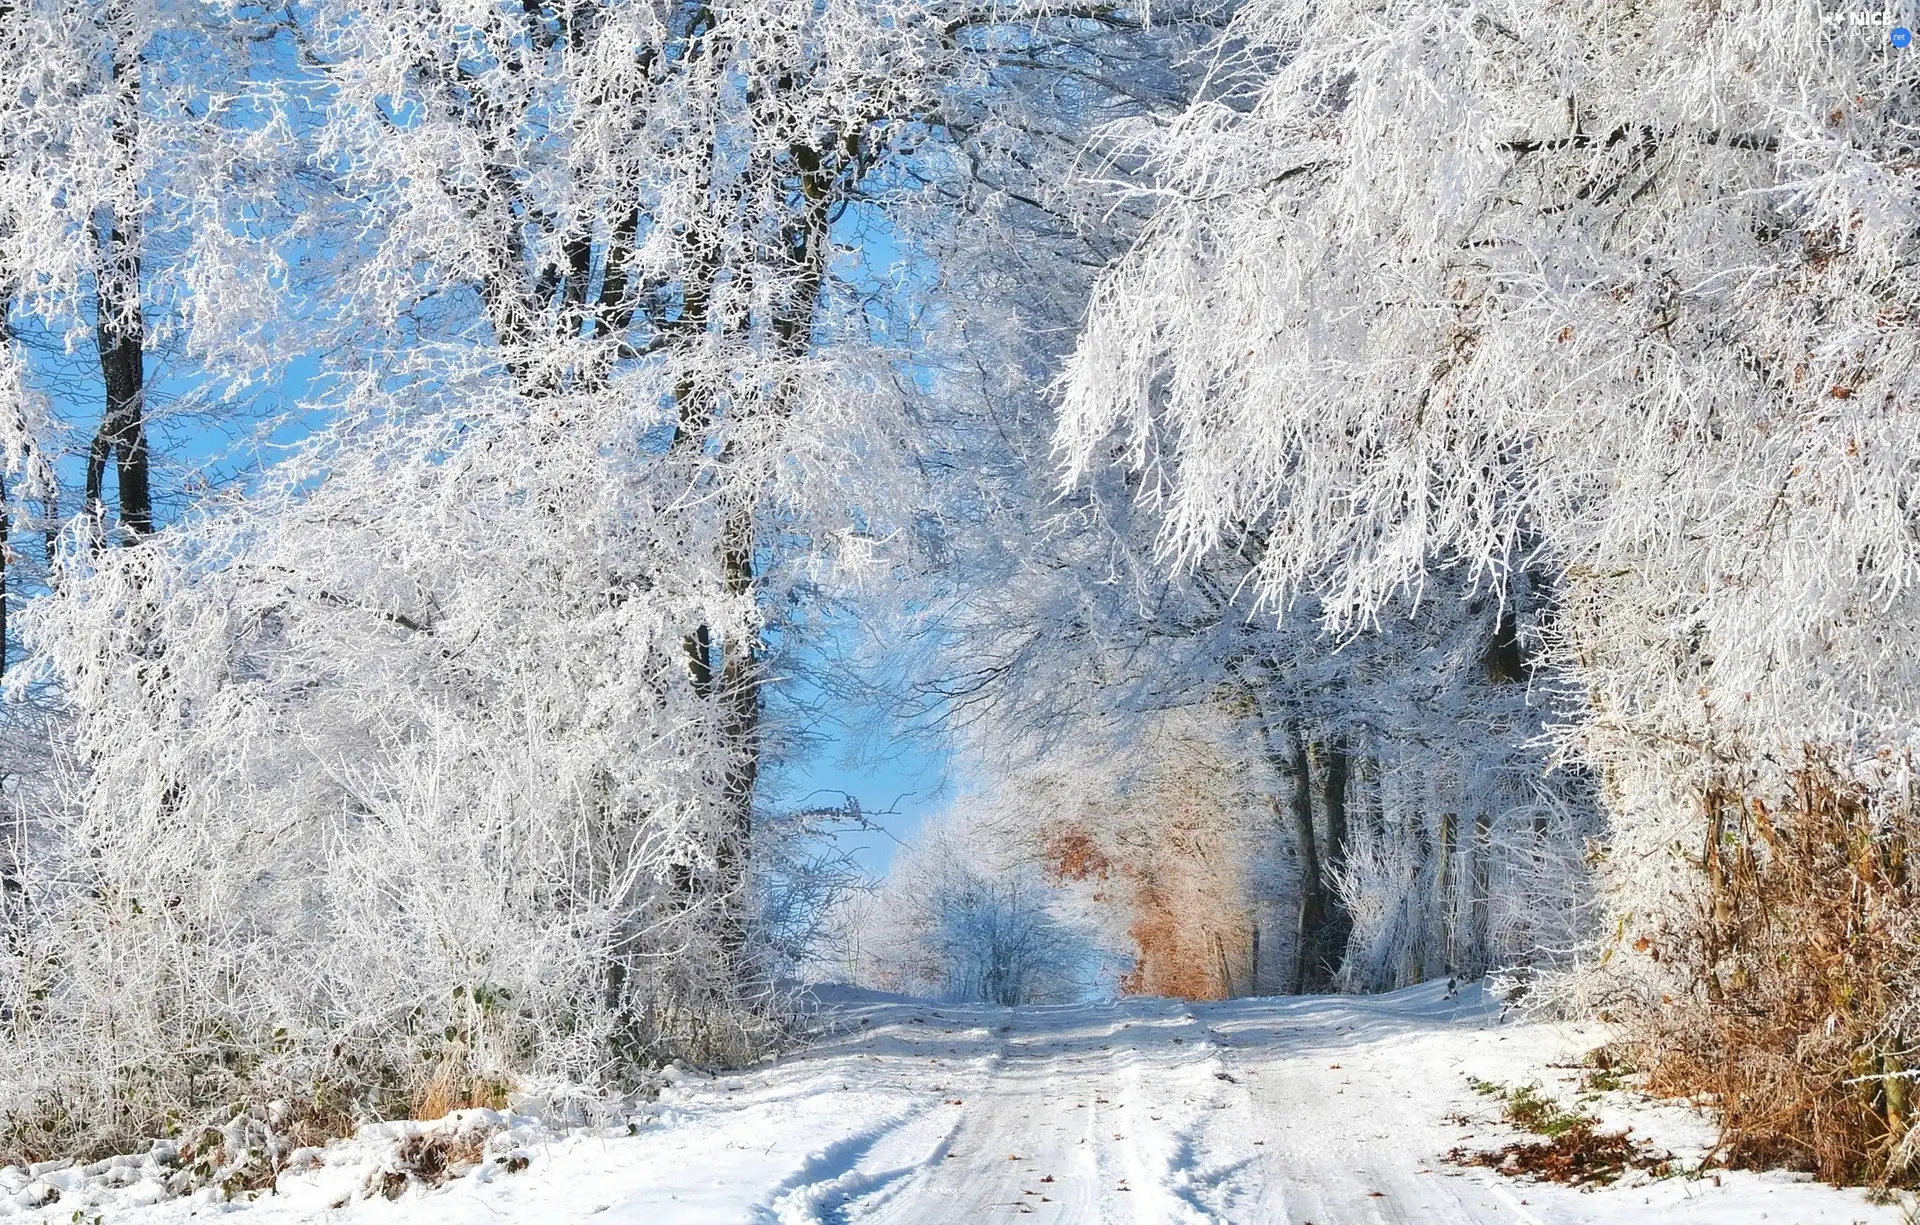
(896,792)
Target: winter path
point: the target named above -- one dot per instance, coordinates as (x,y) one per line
(1331,1110)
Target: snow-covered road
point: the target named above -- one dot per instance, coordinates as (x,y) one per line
(1324,1110)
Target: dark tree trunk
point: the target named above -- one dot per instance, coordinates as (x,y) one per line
(1299,809)
(50,534)
(1335,770)
(6,515)
(1504,662)
(803,267)
(740,679)
(123,428)
(1367,770)
(1323,941)
(120,331)
(1449,844)
(1417,952)
(6,563)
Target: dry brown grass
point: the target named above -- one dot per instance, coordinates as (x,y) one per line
(452,1085)
(1802,1030)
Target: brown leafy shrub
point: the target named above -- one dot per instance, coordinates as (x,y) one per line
(237,1159)
(1185,951)
(1070,853)
(326,1114)
(248,1152)
(1580,1155)
(1802,1029)
(1169,844)
(1574,1149)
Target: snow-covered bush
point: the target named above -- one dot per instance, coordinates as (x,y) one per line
(1445,874)
(962,916)
(392,781)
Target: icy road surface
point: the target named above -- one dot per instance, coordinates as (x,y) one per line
(1328,1110)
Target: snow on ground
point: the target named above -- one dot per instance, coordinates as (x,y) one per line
(1329,1110)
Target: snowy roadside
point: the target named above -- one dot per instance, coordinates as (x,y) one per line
(1315,1109)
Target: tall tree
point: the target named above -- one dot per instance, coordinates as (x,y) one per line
(1631,283)
(587,194)
(120,328)
(80,139)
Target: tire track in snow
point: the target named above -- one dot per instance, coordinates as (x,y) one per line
(850,1178)
(1326,1110)
(1019,1146)
(1299,1111)
(1080,1115)
(1187,1108)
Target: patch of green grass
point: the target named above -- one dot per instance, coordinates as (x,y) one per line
(1524,1107)
(1607,1070)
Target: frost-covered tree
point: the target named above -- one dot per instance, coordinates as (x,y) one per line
(1620,291)
(114,142)
(369,801)
(657,186)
